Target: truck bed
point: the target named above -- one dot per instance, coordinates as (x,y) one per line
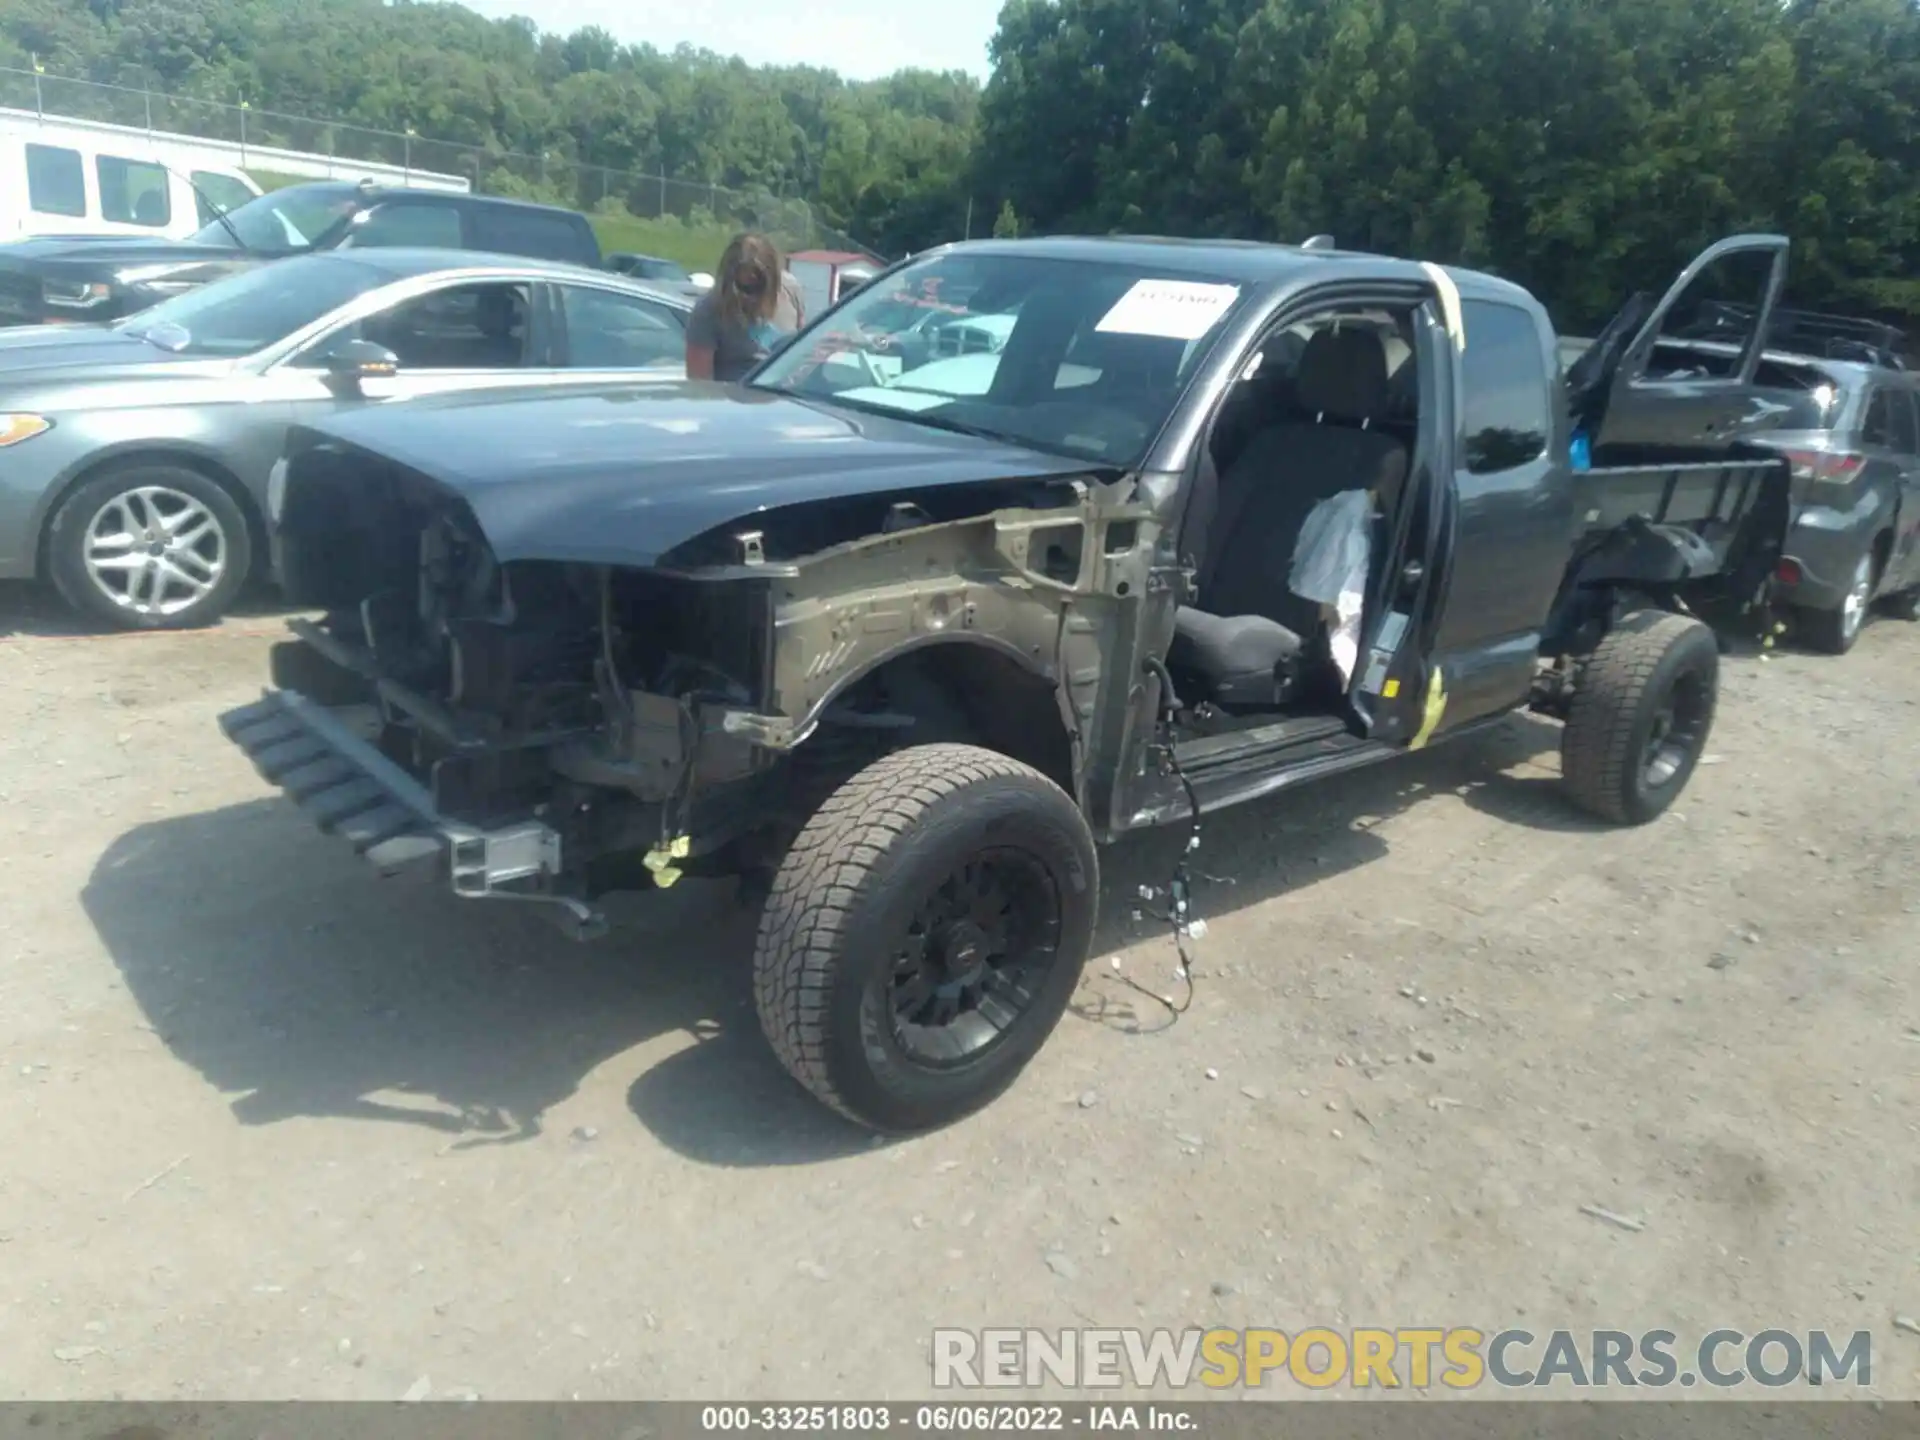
(1702,534)
(1734,506)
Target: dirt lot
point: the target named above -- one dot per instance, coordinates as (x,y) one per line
(275,1129)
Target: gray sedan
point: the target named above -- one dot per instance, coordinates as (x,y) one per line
(135,459)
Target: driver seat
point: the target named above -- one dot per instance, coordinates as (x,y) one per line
(1248,648)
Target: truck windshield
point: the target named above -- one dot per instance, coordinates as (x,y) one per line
(291,219)
(1079,359)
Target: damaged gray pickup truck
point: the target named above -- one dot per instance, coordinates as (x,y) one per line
(988,565)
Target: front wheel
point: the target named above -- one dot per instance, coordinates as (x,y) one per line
(924,934)
(149,547)
(1642,710)
(1834,631)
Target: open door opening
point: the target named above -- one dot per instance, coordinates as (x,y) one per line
(1319,438)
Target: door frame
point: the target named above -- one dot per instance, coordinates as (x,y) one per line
(1388,693)
(1631,373)
(1429,469)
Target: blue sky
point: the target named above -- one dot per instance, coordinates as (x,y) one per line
(859,38)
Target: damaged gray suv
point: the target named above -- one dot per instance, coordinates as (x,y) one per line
(898,637)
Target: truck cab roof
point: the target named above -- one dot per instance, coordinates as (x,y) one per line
(1247,262)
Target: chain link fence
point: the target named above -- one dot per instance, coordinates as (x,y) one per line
(634,211)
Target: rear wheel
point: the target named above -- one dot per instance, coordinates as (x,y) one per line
(924,935)
(1834,631)
(149,547)
(1641,714)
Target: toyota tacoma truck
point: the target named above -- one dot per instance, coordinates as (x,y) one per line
(899,642)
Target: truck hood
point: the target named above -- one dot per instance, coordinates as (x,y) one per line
(104,261)
(622,474)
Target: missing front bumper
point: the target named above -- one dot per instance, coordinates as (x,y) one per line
(350,790)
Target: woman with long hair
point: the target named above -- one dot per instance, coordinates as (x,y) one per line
(753,302)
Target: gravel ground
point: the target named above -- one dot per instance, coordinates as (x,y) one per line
(276,1129)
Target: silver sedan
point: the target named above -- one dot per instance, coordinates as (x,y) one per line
(135,458)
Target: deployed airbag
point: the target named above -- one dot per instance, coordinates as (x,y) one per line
(1330,565)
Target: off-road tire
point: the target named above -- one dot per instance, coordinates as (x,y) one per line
(1834,632)
(1622,688)
(67,539)
(859,870)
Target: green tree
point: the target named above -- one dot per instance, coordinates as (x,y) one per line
(1583,149)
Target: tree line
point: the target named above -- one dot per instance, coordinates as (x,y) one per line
(1582,147)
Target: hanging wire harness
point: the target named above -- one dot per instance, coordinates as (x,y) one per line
(1179,914)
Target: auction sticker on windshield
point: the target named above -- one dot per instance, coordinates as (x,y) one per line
(1170,309)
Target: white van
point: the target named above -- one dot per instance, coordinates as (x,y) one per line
(54,184)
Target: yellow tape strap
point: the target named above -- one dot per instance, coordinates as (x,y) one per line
(1434,711)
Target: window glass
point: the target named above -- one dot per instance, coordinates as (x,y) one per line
(56,182)
(1506,405)
(290,219)
(608,331)
(409,223)
(1809,397)
(1877,427)
(243,313)
(216,194)
(1080,358)
(133,192)
(528,232)
(464,327)
(646,267)
(1906,422)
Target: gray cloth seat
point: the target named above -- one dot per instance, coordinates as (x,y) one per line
(1247,646)
(1243,662)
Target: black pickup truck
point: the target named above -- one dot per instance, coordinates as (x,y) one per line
(92,279)
(904,640)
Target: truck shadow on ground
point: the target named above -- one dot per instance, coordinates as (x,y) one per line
(268,959)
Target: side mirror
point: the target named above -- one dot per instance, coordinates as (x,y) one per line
(353,361)
(701,281)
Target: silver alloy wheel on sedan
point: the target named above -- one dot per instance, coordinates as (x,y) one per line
(1853,609)
(155,550)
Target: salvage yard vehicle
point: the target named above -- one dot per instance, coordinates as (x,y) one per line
(75,280)
(904,655)
(1845,409)
(135,459)
(1831,392)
